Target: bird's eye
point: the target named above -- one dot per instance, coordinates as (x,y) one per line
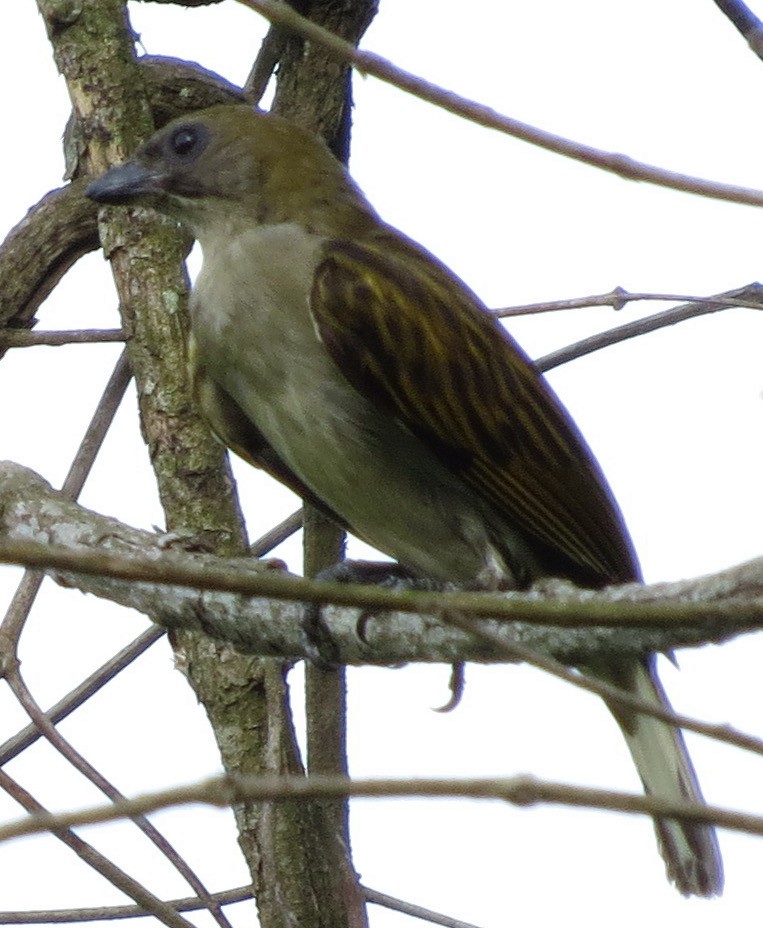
(184,140)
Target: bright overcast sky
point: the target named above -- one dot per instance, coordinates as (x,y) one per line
(675,418)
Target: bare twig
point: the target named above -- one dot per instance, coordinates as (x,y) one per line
(226,897)
(83,766)
(650,324)
(20,338)
(18,611)
(745,21)
(81,693)
(100,913)
(414,911)
(618,298)
(132,888)
(75,479)
(274,536)
(607,691)
(227,790)
(645,606)
(377,66)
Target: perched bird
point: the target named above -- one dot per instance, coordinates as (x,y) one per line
(350,363)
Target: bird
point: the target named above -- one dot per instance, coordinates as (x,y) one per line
(340,356)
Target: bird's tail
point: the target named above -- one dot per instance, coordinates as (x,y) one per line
(689,849)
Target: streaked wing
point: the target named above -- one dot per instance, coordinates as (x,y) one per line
(408,334)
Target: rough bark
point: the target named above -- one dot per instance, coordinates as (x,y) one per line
(245,699)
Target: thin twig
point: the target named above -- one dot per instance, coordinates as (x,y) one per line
(82,692)
(26,593)
(618,298)
(21,338)
(100,913)
(608,692)
(276,535)
(98,427)
(612,162)
(652,323)
(448,606)
(84,767)
(226,897)
(73,484)
(414,911)
(226,790)
(115,875)
(238,576)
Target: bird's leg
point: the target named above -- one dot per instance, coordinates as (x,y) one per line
(320,645)
(321,648)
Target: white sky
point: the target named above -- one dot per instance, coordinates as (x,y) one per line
(675,418)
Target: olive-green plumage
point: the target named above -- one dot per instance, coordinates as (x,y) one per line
(347,361)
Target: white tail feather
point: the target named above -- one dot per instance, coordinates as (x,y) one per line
(690,850)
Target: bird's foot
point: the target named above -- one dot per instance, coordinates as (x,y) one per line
(322,649)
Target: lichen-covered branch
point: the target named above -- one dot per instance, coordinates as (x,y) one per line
(257,613)
(37,252)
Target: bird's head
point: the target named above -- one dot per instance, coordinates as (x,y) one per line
(232,163)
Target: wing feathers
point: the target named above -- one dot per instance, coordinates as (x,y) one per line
(410,336)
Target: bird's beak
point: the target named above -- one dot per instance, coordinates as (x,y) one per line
(125,184)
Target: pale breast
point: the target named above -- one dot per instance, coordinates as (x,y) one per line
(253,330)
(255,337)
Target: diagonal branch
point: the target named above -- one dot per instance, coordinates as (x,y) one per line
(83,766)
(613,162)
(749,294)
(745,21)
(110,871)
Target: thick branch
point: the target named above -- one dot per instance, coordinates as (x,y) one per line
(681,614)
(173,87)
(38,251)
(313,87)
(63,226)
